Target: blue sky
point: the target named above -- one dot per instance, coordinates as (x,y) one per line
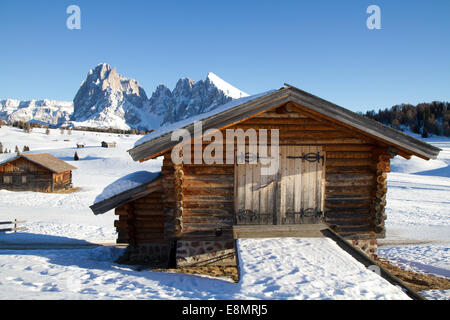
(323,47)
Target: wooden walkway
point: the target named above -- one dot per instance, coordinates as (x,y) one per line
(280,231)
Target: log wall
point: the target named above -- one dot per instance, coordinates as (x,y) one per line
(141,221)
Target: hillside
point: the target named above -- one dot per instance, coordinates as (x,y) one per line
(425,119)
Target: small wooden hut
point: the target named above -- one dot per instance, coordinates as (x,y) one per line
(106,144)
(35,172)
(333,166)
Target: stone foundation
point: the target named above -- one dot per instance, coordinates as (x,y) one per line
(157,254)
(202,253)
(368,246)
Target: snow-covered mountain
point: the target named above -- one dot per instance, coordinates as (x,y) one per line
(44,111)
(190,98)
(107,99)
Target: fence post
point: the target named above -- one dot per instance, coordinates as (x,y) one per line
(15,225)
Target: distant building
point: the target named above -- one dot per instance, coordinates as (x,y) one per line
(81,145)
(35,172)
(108,144)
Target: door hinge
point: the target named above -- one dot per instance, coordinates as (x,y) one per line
(310,157)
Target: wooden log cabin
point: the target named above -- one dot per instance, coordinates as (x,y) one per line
(333,165)
(35,172)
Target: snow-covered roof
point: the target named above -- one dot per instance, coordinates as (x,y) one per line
(123,189)
(159,141)
(128,182)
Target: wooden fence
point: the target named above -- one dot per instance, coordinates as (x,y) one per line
(15,228)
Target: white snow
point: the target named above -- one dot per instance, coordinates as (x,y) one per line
(125,183)
(186,122)
(227,88)
(418,214)
(270,269)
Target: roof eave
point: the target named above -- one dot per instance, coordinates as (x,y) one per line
(126,196)
(371,128)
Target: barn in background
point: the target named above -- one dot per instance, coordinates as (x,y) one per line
(35,172)
(106,144)
(332,172)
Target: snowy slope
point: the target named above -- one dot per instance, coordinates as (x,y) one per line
(68,215)
(418,214)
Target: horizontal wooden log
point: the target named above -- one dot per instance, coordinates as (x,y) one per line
(349,162)
(277,121)
(349,210)
(225,178)
(330,203)
(288,127)
(208,191)
(140,224)
(317,141)
(347,216)
(224,204)
(351,183)
(330,177)
(150,206)
(207,184)
(348,190)
(346,197)
(148,212)
(348,169)
(349,222)
(208,212)
(349,155)
(191,170)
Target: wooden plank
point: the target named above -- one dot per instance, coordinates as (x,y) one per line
(282,189)
(256,185)
(248,187)
(272,231)
(263,193)
(298,181)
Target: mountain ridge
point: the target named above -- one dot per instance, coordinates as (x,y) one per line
(107,99)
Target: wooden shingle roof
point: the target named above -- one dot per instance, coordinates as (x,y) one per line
(47,161)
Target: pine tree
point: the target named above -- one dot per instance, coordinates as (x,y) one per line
(17,150)
(75,156)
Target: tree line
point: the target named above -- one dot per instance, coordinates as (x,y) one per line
(27,126)
(425,118)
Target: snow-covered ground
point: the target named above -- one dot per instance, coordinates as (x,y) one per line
(418,234)
(270,269)
(418,211)
(68,215)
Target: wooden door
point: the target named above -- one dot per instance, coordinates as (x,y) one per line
(291,196)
